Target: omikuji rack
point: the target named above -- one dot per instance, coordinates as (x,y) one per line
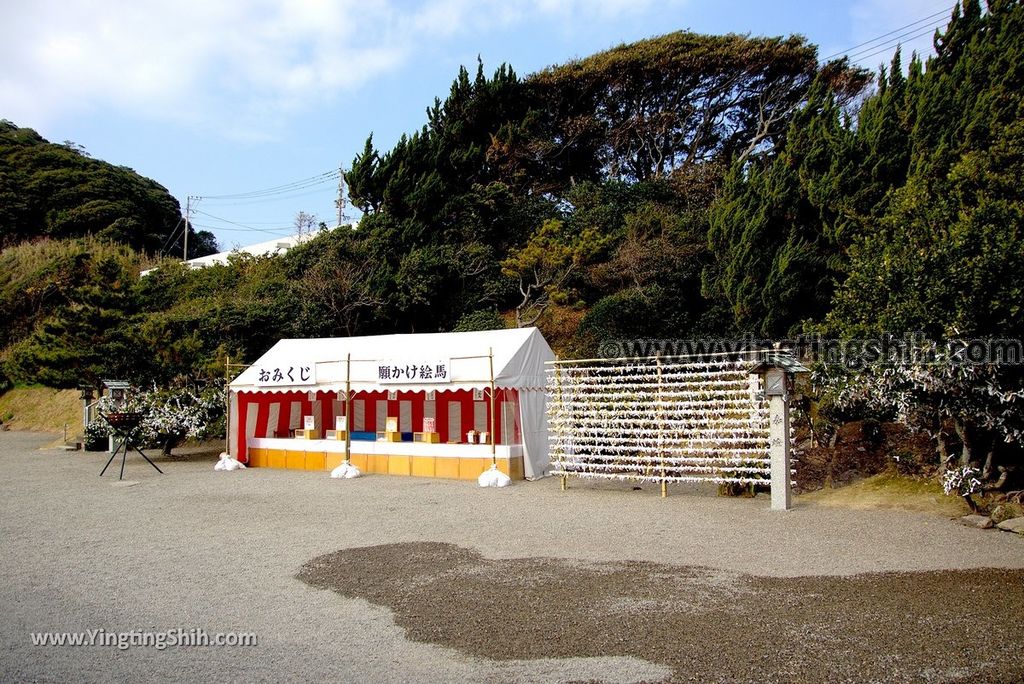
(662,420)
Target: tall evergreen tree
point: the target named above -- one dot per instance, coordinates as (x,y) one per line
(775,230)
(947,255)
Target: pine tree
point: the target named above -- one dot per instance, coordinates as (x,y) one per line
(775,232)
(947,255)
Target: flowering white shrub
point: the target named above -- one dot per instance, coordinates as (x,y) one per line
(962,481)
(931,386)
(942,385)
(96,433)
(169,416)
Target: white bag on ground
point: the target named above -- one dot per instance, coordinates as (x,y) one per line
(492,477)
(226,462)
(346,470)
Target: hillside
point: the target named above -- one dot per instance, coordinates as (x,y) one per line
(57,191)
(42,410)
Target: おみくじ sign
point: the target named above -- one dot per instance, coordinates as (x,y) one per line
(286,375)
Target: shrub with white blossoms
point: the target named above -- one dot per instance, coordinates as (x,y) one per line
(934,382)
(931,385)
(169,415)
(962,481)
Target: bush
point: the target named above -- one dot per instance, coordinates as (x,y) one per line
(622,316)
(96,434)
(962,481)
(480,320)
(169,416)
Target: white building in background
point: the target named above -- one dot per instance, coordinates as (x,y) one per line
(269,248)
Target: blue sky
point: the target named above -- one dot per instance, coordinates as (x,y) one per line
(215,98)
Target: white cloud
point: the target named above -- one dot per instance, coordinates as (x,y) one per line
(235,67)
(193,60)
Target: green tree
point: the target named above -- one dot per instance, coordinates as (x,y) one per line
(480,320)
(946,256)
(58,191)
(649,107)
(544,267)
(333,293)
(89,335)
(770,244)
(882,142)
(658,257)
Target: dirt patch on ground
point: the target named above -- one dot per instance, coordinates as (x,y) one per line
(706,625)
(860,449)
(889,491)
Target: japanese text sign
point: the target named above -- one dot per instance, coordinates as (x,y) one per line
(285,375)
(413,372)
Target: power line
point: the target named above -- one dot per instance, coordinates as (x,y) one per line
(247,226)
(284,232)
(887,48)
(277,198)
(313,185)
(278,190)
(269,223)
(892,42)
(240,225)
(326,177)
(171,239)
(930,18)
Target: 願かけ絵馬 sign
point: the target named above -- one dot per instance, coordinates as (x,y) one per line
(419,372)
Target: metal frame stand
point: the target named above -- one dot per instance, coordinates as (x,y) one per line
(125,444)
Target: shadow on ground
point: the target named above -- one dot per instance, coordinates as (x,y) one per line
(706,625)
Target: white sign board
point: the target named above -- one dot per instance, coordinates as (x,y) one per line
(419,372)
(309,422)
(286,375)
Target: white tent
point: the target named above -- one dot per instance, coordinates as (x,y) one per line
(518,356)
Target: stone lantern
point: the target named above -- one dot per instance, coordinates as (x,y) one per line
(778,370)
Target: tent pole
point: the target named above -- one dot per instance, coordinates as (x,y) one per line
(227,404)
(348,408)
(494,408)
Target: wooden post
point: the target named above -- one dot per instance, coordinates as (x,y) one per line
(227,404)
(348,408)
(494,409)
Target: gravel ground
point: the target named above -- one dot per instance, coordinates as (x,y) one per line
(707,625)
(222,552)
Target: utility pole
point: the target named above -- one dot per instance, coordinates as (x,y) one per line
(188,212)
(340,202)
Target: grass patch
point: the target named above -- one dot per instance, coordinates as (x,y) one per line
(42,409)
(888,491)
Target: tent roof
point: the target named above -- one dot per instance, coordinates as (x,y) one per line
(519,356)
